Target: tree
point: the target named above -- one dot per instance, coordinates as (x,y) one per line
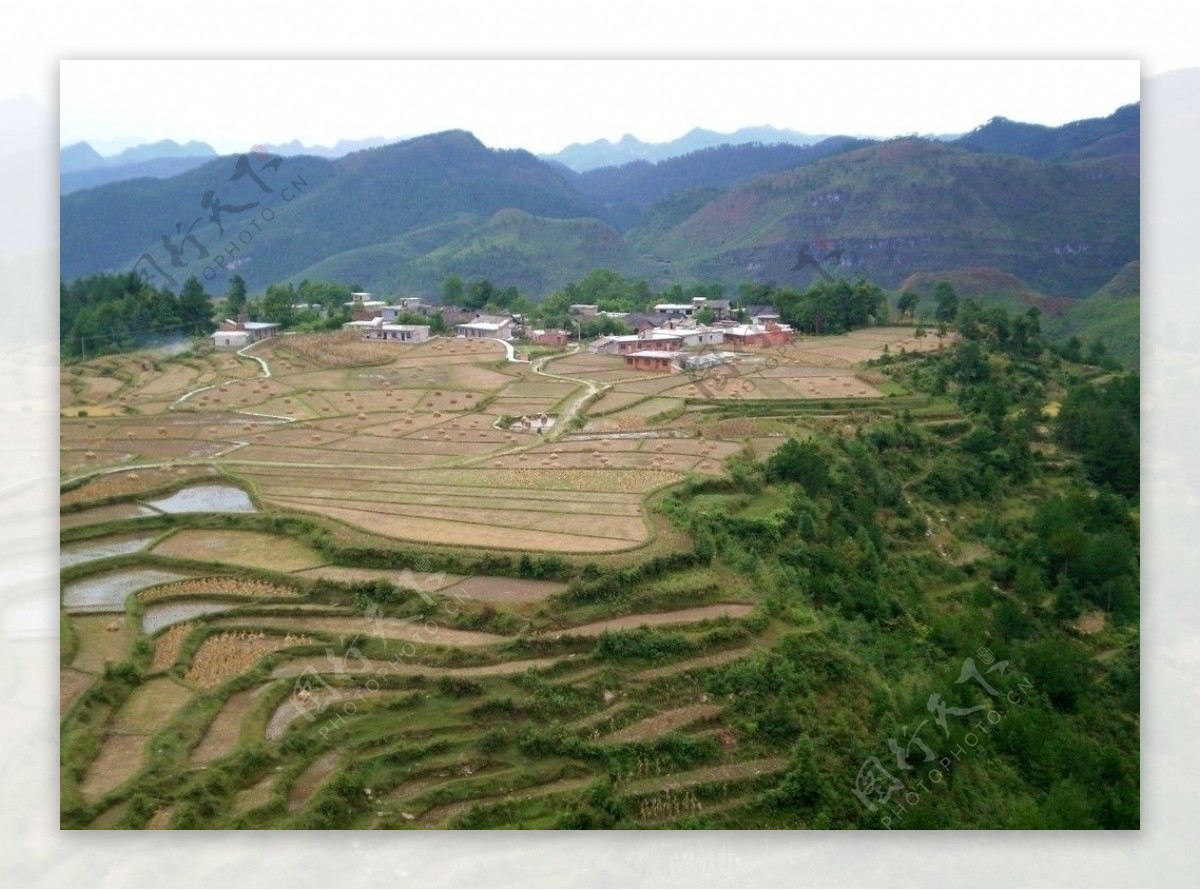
(452,290)
(277,304)
(802,462)
(907,304)
(235,297)
(947,302)
(195,310)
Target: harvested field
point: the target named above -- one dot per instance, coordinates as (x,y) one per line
(222,657)
(658,619)
(256,795)
(312,779)
(405,527)
(222,734)
(167,646)
(221,585)
(70,684)
(119,760)
(345,666)
(150,707)
(660,724)
(383,628)
(427,581)
(98,645)
(250,549)
(505,590)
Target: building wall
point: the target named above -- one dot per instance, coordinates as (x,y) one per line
(552,338)
(642,363)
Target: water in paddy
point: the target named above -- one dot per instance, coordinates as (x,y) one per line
(107,592)
(159,615)
(206,499)
(101,548)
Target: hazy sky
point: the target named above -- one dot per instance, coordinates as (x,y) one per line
(544,106)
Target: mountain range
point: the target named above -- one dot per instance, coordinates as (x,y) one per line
(1055,208)
(582,157)
(80,166)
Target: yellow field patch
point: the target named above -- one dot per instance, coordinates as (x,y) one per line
(250,549)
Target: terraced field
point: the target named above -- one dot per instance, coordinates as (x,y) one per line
(348,595)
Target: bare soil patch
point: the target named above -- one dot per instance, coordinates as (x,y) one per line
(254,550)
(657,619)
(660,724)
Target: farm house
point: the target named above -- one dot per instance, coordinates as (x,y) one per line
(660,360)
(406,333)
(225,340)
(232,334)
(758,335)
(627,343)
(556,338)
(494,328)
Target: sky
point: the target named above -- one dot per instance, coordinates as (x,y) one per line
(543,106)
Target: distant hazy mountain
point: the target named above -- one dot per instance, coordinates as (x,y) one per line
(165,148)
(82,156)
(582,157)
(156,168)
(340,148)
(80,166)
(629,190)
(79,156)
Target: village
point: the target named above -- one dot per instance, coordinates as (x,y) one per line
(671,339)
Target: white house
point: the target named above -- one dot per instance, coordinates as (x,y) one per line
(226,340)
(676,310)
(694,337)
(500,329)
(406,333)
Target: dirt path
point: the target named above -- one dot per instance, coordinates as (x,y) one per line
(728,772)
(416,630)
(311,779)
(660,724)
(378,667)
(714,660)
(223,732)
(315,706)
(591,388)
(656,619)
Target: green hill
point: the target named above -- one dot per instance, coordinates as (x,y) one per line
(911,205)
(988,286)
(1117,134)
(1112,314)
(366,198)
(514,248)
